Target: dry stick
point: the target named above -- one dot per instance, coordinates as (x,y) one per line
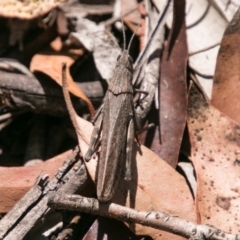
(40,95)
(23,216)
(158,220)
(29,209)
(76,183)
(33,195)
(4,117)
(75,180)
(67,232)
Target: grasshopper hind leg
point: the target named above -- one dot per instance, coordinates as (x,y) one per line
(95,138)
(129,149)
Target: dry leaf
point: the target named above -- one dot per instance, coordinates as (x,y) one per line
(226,85)
(173,90)
(103,45)
(50,63)
(16,181)
(215,141)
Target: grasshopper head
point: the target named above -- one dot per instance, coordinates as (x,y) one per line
(125,60)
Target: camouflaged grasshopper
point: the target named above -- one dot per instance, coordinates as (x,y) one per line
(116,123)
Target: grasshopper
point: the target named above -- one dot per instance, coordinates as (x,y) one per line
(116,123)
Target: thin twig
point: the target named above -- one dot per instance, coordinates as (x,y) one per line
(204,49)
(158,220)
(28,210)
(67,232)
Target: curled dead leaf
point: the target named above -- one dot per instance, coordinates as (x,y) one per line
(50,63)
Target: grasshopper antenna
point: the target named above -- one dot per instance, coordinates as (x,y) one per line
(130,42)
(124,35)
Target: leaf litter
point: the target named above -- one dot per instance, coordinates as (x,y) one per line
(214,136)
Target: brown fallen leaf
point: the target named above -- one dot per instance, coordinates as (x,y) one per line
(215,153)
(16,181)
(173,90)
(50,63)
(154,185)
(226,85)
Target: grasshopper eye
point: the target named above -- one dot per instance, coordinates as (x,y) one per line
(118,57)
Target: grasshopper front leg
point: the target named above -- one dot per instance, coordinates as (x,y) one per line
(97,115)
